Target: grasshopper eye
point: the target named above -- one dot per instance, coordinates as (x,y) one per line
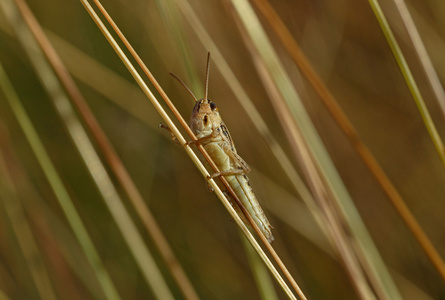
(213,106)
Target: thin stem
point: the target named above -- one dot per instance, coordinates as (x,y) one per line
(342,120)
(111,156)
(415,93)
(182,141)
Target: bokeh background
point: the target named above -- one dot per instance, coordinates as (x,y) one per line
(345,46)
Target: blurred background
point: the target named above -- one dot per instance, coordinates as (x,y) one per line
(42,255)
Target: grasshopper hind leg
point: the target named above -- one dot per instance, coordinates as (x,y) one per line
(227,173)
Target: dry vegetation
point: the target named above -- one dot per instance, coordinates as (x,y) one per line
(70,231)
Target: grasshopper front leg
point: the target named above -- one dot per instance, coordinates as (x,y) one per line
(174,139)
(202,140)
(188,143)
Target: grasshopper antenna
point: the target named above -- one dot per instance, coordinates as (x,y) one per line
(206,90)
(184,85)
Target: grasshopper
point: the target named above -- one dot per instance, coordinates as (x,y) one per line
(211,132)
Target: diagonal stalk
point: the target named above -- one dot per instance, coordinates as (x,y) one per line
(193,156)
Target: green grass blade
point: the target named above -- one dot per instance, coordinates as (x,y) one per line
(260,273)
(324,163)
(22,229)
(145,261)
(408,76)
(58,187)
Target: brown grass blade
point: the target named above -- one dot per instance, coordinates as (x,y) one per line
(368,158)
(15,212)
(111,156)
(181,140)
(130,234)
(422,54)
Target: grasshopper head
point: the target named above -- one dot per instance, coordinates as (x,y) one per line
(205,118)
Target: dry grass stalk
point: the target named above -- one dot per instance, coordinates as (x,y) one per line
(110,155)
(342,120)
(182,141)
